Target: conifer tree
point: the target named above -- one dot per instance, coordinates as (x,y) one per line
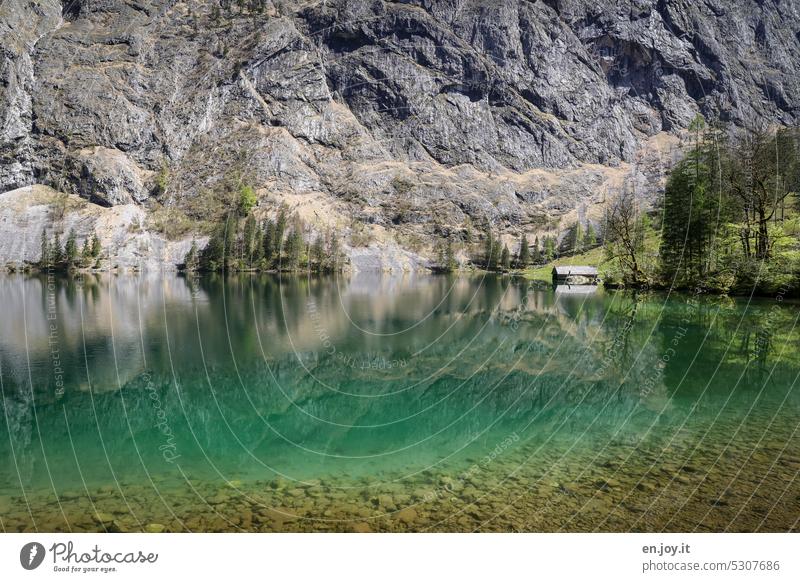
(56,251)
(44,261)
(71,248)
(505,258)
(536,254)
(86,252)
(96,247)
(549,248)
(524,255)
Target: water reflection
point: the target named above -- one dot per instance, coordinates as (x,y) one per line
(370,377)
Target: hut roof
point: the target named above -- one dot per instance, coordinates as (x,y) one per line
(566,270)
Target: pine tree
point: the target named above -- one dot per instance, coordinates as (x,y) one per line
(71,248)
(524,255)
(280,231)
(251,239)
(86,252)
(293,249)
(549,248)
(450,262)
(690,211)
(96,248)
(317,253)
(44,260)
(505,258)
(334,253)
(536,255)
(211,258)
(218,254)
(492,252)
(190,262)
(56,251)
(269,243)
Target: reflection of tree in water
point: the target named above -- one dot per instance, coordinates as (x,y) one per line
(477,351)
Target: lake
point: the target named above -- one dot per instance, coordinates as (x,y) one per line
(372,402)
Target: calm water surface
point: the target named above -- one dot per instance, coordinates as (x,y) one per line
(392,403)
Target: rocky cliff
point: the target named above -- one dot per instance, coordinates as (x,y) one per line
(390,121)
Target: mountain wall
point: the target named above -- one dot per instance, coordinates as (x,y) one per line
(393,122)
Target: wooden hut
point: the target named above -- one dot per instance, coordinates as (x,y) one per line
(574,275)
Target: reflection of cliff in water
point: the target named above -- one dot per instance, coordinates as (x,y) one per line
(271,371)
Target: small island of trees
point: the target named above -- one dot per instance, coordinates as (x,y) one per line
(71,255)
(242,243)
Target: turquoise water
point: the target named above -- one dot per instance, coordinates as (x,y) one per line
(392,403)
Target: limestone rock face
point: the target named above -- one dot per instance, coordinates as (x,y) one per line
(411,118)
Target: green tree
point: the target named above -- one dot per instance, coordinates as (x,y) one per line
(492,252)
(536,254)
(445,256)
(293,250)
(247,200)
(691,213)
(251,242)
(219,252)
(162,180)
(96,246)
(56,251)
(269,243)
(280,230)
(505,258)
(191,261)
(317,254)
(44,260)
(524,254)
(86,252)
(334,253)
(763,170)
(549,248)
(71,248)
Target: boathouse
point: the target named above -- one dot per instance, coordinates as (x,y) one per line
(574,275)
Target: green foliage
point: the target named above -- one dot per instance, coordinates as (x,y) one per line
(44,257)
(536,254)
(247,200)
(86,252)
(269,242)
(71,248)
(491,253)
(726,222)
(252,249)
(56,251)
(218,254)
(691,205)
(69,256)
(445,256)
(505,259)
(317,253)
(191,262)
(524,254)
(280,231)
(162,180)
(549,248)
(293,250)
(96,247)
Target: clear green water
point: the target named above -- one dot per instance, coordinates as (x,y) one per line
(380,403)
